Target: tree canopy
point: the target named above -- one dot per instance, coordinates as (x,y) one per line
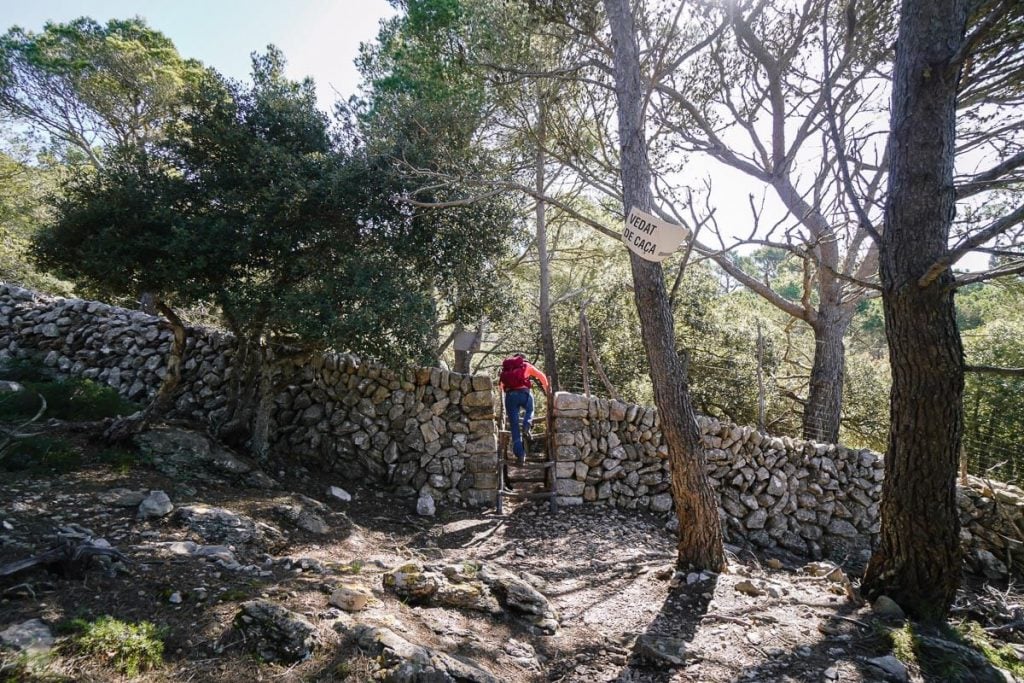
(90,86)
(252,201)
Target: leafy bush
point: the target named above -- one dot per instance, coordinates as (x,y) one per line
(82,399)
(42,453)
(70,399)
(120,459)
(21,370)
(129,648)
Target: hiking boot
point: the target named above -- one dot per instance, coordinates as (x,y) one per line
(521,460)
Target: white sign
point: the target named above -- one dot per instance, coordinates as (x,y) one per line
(652,238)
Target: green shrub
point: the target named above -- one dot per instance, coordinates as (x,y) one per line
(234,595)
(129,648)
(120,459)
(353,567)
(22,370)
(75,399)
(42,453)
(19,406)
(82,399)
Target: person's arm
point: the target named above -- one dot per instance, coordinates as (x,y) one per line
(531,371)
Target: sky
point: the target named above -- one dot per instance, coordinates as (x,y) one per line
(319,38)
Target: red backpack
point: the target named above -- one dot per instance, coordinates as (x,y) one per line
(513,374)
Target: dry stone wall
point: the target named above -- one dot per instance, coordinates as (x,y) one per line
(813,499)
(433,431)
(422,431)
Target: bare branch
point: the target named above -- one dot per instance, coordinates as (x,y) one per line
(837,139)
(755,285)
(987,179)
(992,230)
(993,370)
(449,204)
(980,32)
(1015,268)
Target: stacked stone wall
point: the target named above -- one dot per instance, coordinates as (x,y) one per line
(813,499)
(433,431)
(422,431)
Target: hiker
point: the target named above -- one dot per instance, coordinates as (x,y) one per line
(514,380)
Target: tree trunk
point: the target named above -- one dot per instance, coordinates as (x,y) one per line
(918,560)
(162,402)
(547,334)
(260,448)
(242,392)
(825,397)
(123,429)
(700,531)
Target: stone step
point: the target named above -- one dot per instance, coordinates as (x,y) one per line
(529,464)
(525,495)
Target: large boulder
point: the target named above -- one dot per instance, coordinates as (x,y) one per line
(404,662)
(156,504)
(276,633)
(475,586)
(184,454)
(350,597)
(520,598)
(303,518)
(413,582)
(224,527)
(30,636)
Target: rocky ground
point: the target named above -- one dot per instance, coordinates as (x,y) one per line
(258,576)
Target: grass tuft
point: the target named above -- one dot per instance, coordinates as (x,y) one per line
(42,454)
(120,459)
(30,668)
(950,654)
(128,648)
(1003,657)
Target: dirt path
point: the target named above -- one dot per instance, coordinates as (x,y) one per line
(625,614)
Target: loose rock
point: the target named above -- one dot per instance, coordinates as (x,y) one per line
(657,648)
(156,504)
(350,597)
(32,636)
(408,663)
(425,506)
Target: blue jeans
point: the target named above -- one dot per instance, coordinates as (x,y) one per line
(516,401)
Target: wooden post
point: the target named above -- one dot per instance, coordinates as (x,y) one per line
(583,349)
(760,378)
(551,475)
(503,438)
